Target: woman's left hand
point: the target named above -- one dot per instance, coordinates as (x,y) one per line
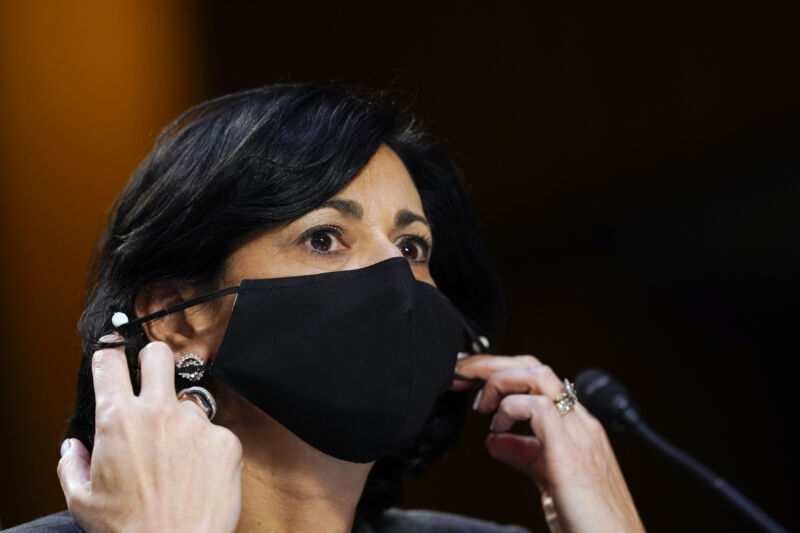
(569,458)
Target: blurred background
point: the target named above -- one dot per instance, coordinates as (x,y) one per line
(634,167)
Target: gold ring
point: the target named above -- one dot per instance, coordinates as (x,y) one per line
(565,401)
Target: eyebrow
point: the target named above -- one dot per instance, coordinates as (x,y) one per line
(353,209)
(348,208)
(404,217)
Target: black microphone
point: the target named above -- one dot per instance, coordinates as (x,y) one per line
(609,401)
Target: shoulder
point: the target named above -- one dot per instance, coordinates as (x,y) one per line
(394,520)
(55,523)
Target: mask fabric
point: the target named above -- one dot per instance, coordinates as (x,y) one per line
(351,362)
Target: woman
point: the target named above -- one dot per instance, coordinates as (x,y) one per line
(342,227)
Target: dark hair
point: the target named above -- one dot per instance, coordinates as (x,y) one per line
(255,158)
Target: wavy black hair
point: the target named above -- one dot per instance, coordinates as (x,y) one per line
(256,158)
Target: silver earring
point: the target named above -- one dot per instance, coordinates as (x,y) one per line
(191,367)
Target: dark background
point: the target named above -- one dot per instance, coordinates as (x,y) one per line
(635,170)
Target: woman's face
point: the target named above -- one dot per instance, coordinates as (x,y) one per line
(377,216)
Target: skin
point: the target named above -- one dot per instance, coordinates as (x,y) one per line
(131,485)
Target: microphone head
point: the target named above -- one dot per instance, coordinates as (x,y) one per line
(607,399)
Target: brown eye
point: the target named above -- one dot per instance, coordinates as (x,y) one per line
(321,241)
(415,249)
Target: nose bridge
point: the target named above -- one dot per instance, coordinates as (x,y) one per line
(380,248)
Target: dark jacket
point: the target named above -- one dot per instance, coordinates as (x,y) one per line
(392,520)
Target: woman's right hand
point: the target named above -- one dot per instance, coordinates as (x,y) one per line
(158,464)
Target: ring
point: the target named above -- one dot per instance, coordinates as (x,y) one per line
(565,401)
(201,397)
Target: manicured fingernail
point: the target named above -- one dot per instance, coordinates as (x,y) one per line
(477,400)
(111,337)
(461,355)
(491,424)
(65,446)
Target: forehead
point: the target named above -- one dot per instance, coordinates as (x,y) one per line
(383,183)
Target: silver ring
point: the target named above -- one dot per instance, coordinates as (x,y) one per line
(201,397)
(565,401)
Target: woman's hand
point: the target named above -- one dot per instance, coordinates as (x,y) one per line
(569,458)
(158,464)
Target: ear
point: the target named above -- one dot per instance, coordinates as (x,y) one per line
(192,330)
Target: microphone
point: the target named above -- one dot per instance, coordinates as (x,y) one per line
(609,401)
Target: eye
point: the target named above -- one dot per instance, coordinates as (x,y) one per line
(415,248)
(322,239)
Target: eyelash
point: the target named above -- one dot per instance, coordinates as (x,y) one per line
(339,233)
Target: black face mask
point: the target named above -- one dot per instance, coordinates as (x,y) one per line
(351,362)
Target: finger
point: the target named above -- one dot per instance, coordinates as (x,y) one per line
(484,365)
(459,383)
(158,371)
(544,419)
(191,405)
(538,379)
(74,469)
(518,451)
(110,374)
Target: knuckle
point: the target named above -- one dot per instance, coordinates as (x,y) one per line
(539,402)
(196,418)
(505,404)
(532,371)
(537,370)
(156,349)
(528,360)
(546,372)
(494,380)
(228,442)
(513,403)
(107,414)
(594,425)
(234,445)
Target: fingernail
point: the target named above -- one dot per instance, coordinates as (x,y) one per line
(65,446)
(461,355)
(477,399)
(111,337)
(491,424)
(484,342)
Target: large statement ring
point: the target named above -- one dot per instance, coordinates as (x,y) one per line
(565,401)
(201,397)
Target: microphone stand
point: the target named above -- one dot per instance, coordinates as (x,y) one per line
(716,482)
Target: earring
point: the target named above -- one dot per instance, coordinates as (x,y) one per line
(191,367)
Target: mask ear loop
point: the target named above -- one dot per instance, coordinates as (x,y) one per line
(479,344)
(120,320)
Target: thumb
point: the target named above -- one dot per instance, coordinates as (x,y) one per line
(522,452)
(73,469)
